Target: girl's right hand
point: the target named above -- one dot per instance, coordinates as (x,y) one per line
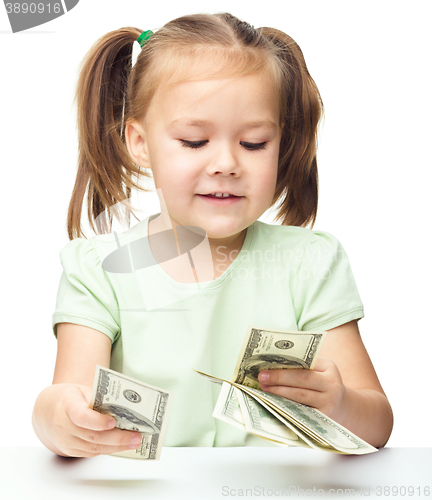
(62,417)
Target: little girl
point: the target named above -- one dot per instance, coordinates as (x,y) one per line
(225,116)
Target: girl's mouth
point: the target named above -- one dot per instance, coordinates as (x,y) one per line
(219,200)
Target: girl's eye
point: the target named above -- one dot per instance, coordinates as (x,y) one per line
(249,146)
(192,144)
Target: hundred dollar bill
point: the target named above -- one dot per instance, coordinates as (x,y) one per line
(312,441)
(315,423)
(265,422)
(227,407)
(275,349)
(135,406)
(228,410)
(259,421)
(311,425)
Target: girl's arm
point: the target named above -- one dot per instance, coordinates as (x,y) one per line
(61,418)
(79,350)
(343,385)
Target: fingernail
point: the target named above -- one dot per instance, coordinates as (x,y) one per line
(136,439)
(263,377)
(111,424)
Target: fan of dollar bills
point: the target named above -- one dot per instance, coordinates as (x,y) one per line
(241,402)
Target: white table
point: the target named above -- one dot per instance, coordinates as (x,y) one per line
(216,473)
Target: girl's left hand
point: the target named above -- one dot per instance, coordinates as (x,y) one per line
(322,388)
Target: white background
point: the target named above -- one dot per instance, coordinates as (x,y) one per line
(371,62)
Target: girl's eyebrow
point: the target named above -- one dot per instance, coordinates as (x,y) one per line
(193,122)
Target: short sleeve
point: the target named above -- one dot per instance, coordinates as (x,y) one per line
(325,293)
(85,295)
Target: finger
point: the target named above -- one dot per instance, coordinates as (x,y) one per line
(82,448)
(322,364)
(107,441)
(80,412)
(94,427)
(306,379)
(83,416)
(103,441)
(303,396)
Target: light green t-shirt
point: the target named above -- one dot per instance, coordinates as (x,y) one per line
(284,278)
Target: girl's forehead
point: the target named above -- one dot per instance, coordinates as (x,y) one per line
(209,111)
(194,90)
(213,63)
(210,93)
(211,84)
(219,68)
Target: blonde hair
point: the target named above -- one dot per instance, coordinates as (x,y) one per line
(110,93)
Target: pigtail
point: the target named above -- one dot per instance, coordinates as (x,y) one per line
(301,100)
(105,168)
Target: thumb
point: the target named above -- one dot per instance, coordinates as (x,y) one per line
(82,415)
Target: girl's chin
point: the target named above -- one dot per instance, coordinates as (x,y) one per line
(227,239)
(224,227)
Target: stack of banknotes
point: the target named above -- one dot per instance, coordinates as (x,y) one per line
(242,404)
(136,406)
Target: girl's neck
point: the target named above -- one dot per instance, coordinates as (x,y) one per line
(223,254)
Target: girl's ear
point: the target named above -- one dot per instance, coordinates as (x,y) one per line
(136,144)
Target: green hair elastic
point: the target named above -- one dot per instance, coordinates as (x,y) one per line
(145,35)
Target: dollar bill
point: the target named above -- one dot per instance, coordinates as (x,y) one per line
(315,423)
(311,426)
(135,406)
(228,410)
(312,442)
(259,421)
(227,407)
(275,349)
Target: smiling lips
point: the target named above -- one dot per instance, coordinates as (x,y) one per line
(220,194)
(221,197)
(221,200)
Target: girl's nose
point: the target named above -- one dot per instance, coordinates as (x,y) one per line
(224,160)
